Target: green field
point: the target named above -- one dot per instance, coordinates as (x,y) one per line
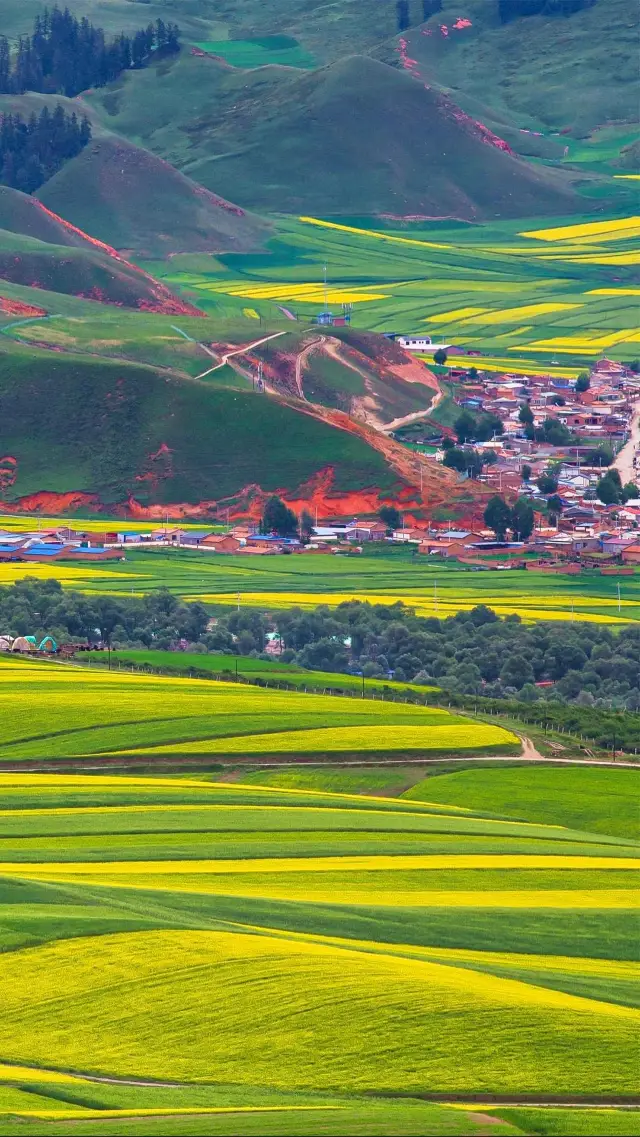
(393,575)
(268,51)
(271,672)
(194,932)
(67,711)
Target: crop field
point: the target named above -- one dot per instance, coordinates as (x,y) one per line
(380,578)
(193,932)
(58,711)
(528,298)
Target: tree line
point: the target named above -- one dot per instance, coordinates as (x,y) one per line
(32,150)
(408,14)
(65,56)
(474,652)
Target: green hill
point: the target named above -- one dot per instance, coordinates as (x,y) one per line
(356,137)
(130,198)
(107,428)
(543,72)
(84,272)
(20,213)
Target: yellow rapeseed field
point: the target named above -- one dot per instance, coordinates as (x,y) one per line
(371,233)
(178,1005)
(526,312)
(349,738)
(456,314)
(606,229)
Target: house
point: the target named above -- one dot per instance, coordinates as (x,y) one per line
(631,554)
(421,343)
(361,531)
(221,543)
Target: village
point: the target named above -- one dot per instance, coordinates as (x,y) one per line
(557,443)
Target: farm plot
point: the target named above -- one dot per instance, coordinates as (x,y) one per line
(193,971)
(535,299)
(387,577)
(54,711)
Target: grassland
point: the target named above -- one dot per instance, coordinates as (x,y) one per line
(194,932)
(68,711)
(385,578)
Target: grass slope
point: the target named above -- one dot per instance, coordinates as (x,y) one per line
(162,439)
(139,912)
(355,137)
(173,715)
(131,199)
(587,799)
(543,72)
(84,271)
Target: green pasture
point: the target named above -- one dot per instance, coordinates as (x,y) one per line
(387,577)
(260,52)
(271,672)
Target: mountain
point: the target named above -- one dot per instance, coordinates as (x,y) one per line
(356,137)
(134,200)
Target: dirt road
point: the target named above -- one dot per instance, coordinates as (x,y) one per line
(237,351)
(624,462)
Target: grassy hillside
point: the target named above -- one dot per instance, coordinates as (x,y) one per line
(20,213)
(151,716)
(84,271)
(196,932)
(355,137)
(114,429)
(542,72)
(130,198)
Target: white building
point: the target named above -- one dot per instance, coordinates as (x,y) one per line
(421,343)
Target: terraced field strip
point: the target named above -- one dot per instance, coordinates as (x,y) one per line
(394,576)
(76,712)
(134,954)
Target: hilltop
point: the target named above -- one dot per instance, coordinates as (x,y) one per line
(127,197)
(355,137)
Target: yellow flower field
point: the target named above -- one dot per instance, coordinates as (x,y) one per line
(395,1022)
(527,311)
(348,739)
(609,229)
(456,314)
(545,607)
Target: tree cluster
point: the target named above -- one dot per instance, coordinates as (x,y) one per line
(468,461)
(32,151)
(472,652)
(478,428)
(41,607)
(65,56)
(500,517)
(280,521)
(611,491)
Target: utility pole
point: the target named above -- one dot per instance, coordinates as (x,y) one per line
(435,596)
(238,602)
(618,597)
